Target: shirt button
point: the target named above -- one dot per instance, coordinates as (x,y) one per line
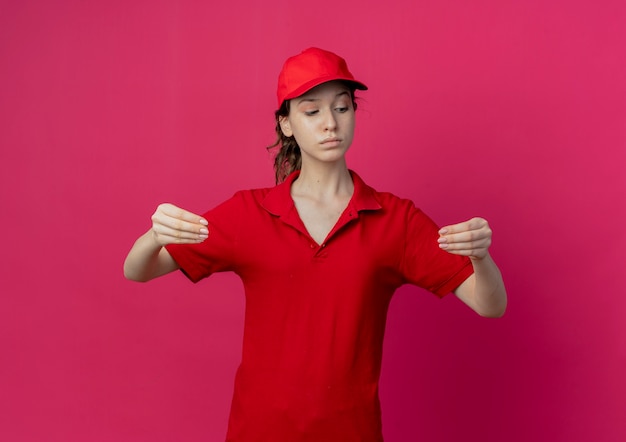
(312,246)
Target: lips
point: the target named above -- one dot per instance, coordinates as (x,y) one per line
(331,140)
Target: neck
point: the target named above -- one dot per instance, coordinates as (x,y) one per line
(324,182)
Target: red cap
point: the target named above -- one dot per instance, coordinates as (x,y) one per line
(310,68)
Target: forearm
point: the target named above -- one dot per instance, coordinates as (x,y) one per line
(147,260)
(489,294)
(483,291)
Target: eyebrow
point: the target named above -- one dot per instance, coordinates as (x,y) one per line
(301,100)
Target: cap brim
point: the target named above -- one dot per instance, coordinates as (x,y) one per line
(317,81)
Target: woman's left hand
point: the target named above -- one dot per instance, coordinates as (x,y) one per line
(471,238)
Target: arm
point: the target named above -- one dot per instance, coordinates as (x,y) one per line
(148,258)
(484,291)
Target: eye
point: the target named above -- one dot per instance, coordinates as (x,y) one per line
(310,112)
(342,109)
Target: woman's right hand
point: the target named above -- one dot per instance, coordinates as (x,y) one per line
(173,225)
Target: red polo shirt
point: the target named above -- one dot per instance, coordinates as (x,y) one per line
(315,313)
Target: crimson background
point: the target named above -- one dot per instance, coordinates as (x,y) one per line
(514,111)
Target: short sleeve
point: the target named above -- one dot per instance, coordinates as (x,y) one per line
(424,263)
(217,253)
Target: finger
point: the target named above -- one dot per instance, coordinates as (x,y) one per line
(165,230)
(179,219)
(173,211)
(473,243)
(472,224)
(165,235)
(473,253)
(465,237)
(483,244)
(178,225)
(165,240)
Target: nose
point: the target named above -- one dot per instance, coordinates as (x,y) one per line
(330,123)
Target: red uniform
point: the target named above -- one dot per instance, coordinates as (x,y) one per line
(315,313)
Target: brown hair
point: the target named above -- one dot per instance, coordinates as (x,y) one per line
(288,157)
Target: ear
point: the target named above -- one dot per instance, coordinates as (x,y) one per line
(285,126)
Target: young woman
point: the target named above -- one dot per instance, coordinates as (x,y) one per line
(320,256)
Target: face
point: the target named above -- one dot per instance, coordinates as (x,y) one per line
(322,122)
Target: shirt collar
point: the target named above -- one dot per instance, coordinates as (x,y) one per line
(278,201)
